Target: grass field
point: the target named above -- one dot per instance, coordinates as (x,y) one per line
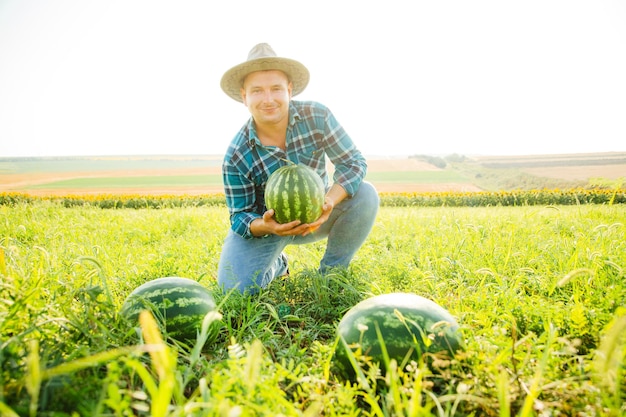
(168,181)
(134,182)
(201,174)
(539,292)
(176,175)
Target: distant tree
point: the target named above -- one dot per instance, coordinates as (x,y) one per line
(455,157)
(433,160)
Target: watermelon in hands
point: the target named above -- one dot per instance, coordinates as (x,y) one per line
(295,192)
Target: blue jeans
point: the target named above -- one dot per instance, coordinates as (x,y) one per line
(250,264)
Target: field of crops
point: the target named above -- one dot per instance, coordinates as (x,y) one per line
(539,291)
(201,174)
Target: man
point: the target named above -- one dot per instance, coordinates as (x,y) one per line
(280,130)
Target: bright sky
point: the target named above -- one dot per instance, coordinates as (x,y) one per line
(119,77)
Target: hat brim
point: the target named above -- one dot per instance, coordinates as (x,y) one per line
(232,80)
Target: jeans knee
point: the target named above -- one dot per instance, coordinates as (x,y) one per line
(368,196)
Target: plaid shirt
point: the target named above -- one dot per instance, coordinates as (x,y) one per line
(312,134)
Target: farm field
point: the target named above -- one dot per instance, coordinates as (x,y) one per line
(188,175)
(567,166)
(195,175)
(539,293)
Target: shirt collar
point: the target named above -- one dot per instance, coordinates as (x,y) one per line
(294,116)
(253,138)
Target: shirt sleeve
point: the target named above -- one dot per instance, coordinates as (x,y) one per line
(240,199)
(350,164)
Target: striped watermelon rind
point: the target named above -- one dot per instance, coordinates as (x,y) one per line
(409,325)
(179,305)
(295,192)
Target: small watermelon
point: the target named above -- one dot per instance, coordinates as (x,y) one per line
(295,192)
(178,304)
(409,326)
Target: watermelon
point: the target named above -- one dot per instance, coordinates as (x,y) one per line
(410,326)
(178,304)
(295,192)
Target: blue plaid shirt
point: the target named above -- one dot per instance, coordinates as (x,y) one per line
(312,134)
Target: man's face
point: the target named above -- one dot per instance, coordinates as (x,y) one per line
(267,95)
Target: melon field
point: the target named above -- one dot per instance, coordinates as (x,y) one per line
(538,291)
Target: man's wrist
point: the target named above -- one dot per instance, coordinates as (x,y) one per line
(257,229)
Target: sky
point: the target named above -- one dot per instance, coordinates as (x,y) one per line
(483,77)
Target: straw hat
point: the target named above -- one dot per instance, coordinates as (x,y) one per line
(262,58)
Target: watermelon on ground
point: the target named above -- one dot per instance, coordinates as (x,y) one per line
(295,192)
(409,325)
(178,304)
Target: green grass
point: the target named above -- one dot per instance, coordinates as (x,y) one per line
(91,164)
(154,181)
(539,292)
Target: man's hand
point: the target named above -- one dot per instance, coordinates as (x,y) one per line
(267,225)
(334,196)
(327,208)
